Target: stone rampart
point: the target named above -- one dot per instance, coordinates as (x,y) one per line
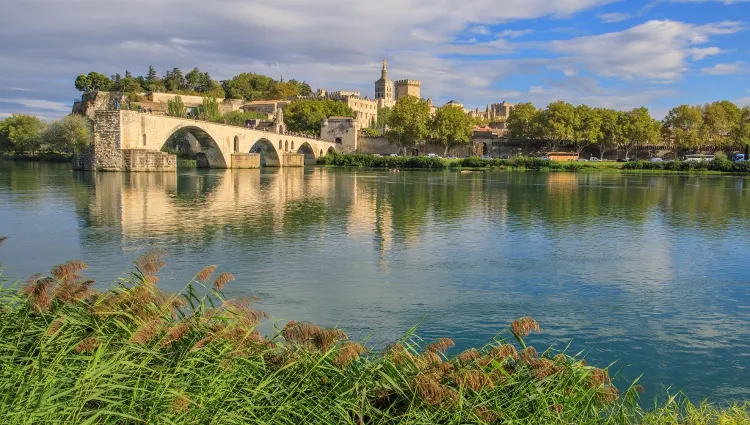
(148,160)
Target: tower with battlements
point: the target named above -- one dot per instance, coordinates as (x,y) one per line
(408,88)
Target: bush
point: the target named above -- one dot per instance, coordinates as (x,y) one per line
(718,164)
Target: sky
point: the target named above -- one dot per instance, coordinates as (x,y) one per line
(619,54)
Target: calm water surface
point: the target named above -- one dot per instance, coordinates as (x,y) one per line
(650,271)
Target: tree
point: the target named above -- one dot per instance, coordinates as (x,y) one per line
(151,79)
(720,119)
(304,88)
(558,123)
(408,122)
(284,90)
(193,79)
(641,129)
(209,110)
(742,132)
(521,121)
(612,129)
(240,117)
(384,114)
(175,107)
(69,134)
(587,127)
(175,81)
(683,125)
(21,133)
(304,116)
(451,126)
(249,86)
(94,81)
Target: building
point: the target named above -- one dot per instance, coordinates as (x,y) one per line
(365,110)
(494,113)
(454,103)
(384,89)
(408,88)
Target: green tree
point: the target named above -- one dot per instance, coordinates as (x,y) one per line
(175,107)
(742,132)
(209,110)
(69,134)
(304,88)
(249,86)
(384,114)
(284,90)
(587,127)
(683,125)
(612,129)
(175,81)
(720,120)
(304,116)
(240,117)
(641,129)
(408,122)
(94,81)
(21,133)
(451,126)
(193,79)
(152,79)
(557,123)
(521,121)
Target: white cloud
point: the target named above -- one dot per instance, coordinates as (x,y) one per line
(699,53)
(711,1)
(480,29)
(726,69)
(38,104)
(655,50)
(513,33)
(613,17)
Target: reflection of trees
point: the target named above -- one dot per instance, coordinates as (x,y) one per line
(199,206)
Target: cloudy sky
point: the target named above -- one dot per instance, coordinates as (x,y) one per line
(621,54)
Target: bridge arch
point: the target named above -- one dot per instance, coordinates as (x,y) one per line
(269,157)
(331,149)
(206,146)
(307,150)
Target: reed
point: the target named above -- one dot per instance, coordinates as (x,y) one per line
(133,354)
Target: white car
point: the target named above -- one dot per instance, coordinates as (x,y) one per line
(432,155)
(594,159)
(394,155)
(657,160)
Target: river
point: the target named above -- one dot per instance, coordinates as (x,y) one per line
(650,271)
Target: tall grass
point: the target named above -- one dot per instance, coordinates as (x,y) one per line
(134,354)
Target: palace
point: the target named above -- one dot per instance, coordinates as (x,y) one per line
(388,92)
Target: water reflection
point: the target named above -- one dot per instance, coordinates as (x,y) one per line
(650,269)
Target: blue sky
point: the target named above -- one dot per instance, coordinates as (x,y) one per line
(620,54)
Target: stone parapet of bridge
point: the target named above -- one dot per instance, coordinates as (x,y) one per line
(132,141)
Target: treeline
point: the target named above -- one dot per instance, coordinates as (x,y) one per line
(27,134)
(716,125)
(247,85)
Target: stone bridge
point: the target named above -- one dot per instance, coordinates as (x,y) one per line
(132,141)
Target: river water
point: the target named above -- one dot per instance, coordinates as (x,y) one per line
(650,271)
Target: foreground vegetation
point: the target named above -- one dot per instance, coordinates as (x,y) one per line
(721,164)
(28,136)
(134,354)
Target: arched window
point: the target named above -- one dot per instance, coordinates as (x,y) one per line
(292,144)
(286,146)
(280,145)
(338,140)
(144,140)
(321,152)
(236,143)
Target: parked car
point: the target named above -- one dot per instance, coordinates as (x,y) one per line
(582,160)
(632,159)
(545,158)
(594,159)
(622,159)
(377,154)
(505,157)
(657,159)
(394,155)
(451,157)
(739,157)
(486,157)
(432,155)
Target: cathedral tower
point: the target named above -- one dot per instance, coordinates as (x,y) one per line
(384,87)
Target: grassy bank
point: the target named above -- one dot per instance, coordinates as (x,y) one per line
(422,162)
(42,157)
(526,163)
(134,354)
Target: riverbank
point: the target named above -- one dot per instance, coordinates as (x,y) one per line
(134,354)
(526,163)
(44,157)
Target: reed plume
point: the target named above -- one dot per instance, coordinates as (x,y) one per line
(502,352)
(473,379)
(3,239)
(68,268)
(222,280)
(205,273)
(37,291)
(440,345)
(55,326)
(146,332)
(150,263)
(469,355)
(348,352)
(524,326)
(180,404)
(87,346)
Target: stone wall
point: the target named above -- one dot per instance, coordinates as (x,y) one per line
(201,161)
(293,160)
(245,160)
(148,160)
(107,144)
(341,130)
(84,161)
